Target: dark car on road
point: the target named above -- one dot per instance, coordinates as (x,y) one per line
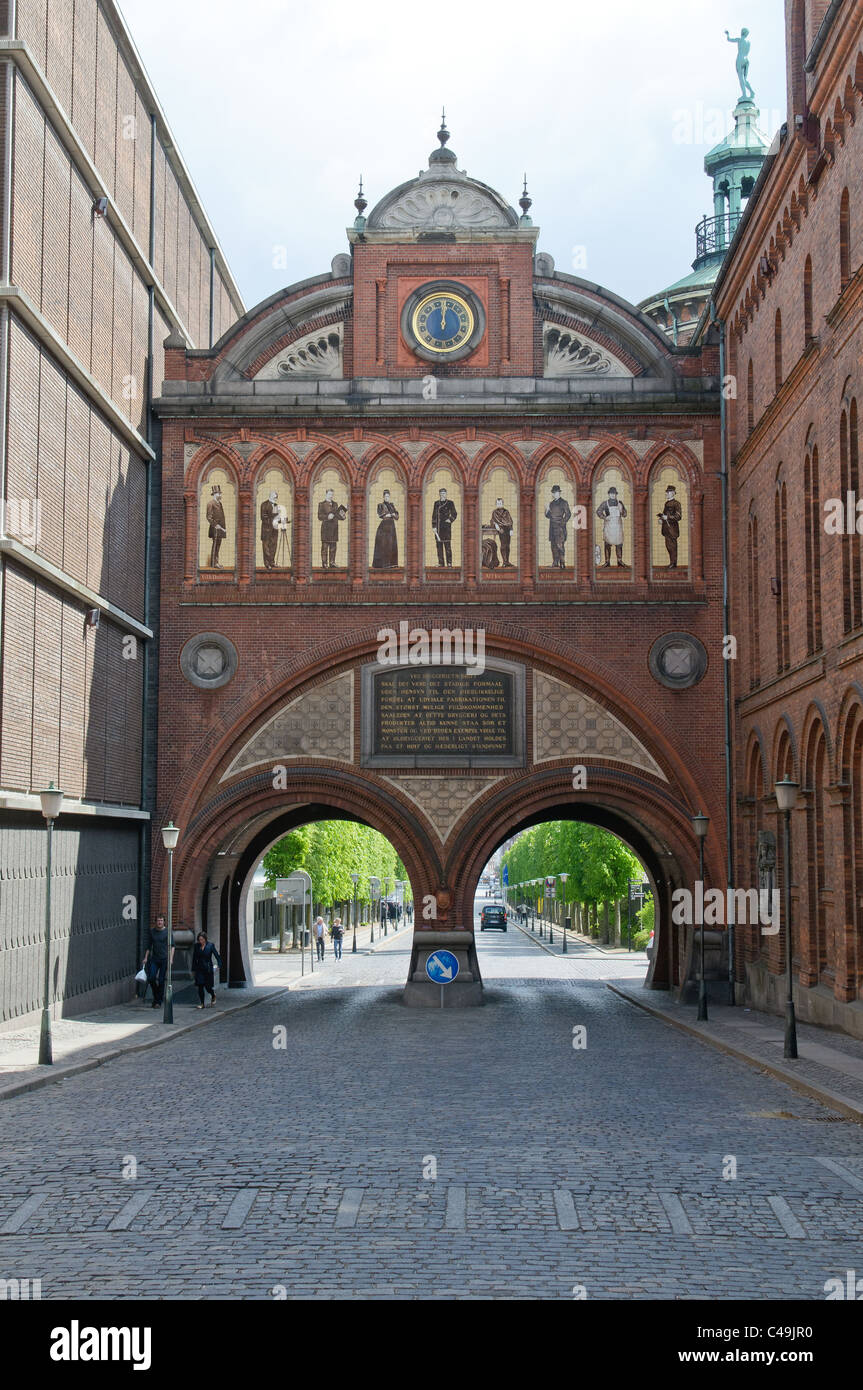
(493,917)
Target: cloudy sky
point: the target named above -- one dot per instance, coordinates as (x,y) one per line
(278,106)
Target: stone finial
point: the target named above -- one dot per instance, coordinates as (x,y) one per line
(442,155)
(525,204)
(360,203)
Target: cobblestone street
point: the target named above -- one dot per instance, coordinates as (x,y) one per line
(299,1170)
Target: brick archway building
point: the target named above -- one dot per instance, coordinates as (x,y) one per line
(443,362)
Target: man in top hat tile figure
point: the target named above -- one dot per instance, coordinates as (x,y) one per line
(612,512)
(558,513)
(670,518)
(501,520)
(270,512)
(217,530)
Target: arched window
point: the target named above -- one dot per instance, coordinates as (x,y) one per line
(762,863)
(783,660)
(754,606)
(785,771)
(813,551)
(844,239)
(807,302)
(849,482)
(816,762)
(777,349)
(852,763)
(855,546)
(750,398)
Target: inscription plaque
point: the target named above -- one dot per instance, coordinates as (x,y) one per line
(443,716)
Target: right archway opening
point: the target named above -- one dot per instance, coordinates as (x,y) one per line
(577,878)
(667,863)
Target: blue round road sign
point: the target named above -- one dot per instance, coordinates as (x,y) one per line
(442,967)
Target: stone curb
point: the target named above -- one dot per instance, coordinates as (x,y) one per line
(834,1100)
(60,1071)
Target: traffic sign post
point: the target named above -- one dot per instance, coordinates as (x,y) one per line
(442,968)
(293,889)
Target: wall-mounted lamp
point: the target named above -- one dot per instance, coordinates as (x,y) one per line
(775,587)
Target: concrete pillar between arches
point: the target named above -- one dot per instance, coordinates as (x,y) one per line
(465,991)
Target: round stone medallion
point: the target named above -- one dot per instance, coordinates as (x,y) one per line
(677,660)
(208,660)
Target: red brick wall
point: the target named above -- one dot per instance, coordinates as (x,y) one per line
(797,216)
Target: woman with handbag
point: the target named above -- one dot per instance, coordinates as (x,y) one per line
(202,968)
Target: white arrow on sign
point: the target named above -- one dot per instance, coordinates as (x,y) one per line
(445,970)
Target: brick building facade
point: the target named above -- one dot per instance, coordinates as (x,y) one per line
(328,397)
(104,249)
(791,297)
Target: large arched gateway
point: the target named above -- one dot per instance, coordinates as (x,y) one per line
(442,551)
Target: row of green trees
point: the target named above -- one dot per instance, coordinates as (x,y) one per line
(599,865)
(330,851)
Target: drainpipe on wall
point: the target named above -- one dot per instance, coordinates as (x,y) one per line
(726,620)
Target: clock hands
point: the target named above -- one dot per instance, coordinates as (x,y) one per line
(443,316)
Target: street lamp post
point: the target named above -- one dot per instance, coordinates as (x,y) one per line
(563,878)
(700,822)
(170,836)
(552,900)
(355,878)
(786,797)
(374,884)
(51,801)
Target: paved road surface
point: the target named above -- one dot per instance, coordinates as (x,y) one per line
(306,1168)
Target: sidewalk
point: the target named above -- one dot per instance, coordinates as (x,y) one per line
(829,1067)
(88,1040)
(573,938)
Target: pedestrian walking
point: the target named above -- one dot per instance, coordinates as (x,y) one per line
(338,934)
(156,960)
(319,937)
(203,956)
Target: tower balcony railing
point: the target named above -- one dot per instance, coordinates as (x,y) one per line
(714,233)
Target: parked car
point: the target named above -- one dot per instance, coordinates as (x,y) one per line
(493,917)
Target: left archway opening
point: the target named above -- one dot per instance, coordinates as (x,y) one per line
(242,902)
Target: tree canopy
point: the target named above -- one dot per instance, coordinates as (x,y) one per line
(598,864)
(330,851)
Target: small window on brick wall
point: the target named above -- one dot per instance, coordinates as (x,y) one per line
(777,349)
(750,398)
(844,239)
(807,302)
(813,551)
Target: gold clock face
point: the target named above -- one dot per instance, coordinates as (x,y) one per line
(443,322)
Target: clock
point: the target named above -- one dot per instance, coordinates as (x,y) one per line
(443,321)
